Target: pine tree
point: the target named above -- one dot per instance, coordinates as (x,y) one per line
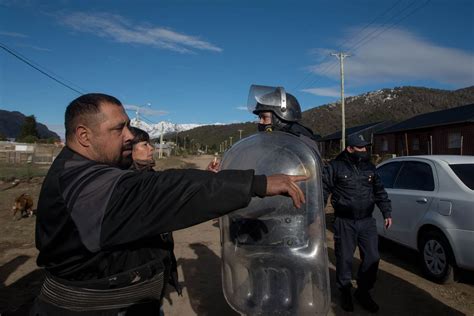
(28,132)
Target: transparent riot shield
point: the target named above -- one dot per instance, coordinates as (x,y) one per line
(274,255)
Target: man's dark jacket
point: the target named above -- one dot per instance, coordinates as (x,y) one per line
(95,221)
(355,188)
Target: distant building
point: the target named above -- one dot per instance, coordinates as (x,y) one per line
(446,132)
(165,147)
(12,152)
(330,145)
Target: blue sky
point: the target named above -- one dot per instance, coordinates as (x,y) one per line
(194,61)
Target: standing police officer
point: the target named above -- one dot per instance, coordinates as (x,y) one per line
(356,188)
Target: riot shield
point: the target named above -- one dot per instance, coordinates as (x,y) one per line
(274,256)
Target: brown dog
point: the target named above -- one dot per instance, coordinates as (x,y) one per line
(24,205)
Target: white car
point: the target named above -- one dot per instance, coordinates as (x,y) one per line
(433,210)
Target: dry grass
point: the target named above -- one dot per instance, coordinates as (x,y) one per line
(9,172)
(172,163)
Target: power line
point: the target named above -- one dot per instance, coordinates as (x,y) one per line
(330,65)
(31,64)
(391,26)
(374,20)
(377,31)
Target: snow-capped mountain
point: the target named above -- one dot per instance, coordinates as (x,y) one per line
(164,127)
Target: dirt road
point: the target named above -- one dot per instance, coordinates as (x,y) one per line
(400,290)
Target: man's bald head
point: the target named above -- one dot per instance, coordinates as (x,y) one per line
(85,110)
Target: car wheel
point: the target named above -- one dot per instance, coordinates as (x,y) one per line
(436,257)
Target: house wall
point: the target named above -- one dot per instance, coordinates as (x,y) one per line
(419,141)
(441,141)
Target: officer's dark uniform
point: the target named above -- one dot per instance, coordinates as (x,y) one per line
(355,188)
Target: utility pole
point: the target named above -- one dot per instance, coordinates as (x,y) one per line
(230,141)
(137,112)
(177,139)
(341,57)
(160,155)
(240,133)
(176,129)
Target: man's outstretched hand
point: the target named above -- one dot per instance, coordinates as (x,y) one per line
(282,184)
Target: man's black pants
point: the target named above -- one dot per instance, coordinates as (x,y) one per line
(349,233)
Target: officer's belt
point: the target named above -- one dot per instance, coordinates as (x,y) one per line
(86,299)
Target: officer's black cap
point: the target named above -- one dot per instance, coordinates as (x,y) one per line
(357,140)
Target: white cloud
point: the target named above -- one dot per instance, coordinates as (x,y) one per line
(13,34)
(242,108)
(398,54)
(325,92)
(118,29)
(320,53)
(144,110)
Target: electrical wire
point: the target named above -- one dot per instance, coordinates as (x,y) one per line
(373,34)
(32,64)
(346,43)
(356,47)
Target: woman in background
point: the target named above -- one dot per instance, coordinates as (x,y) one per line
(142,155)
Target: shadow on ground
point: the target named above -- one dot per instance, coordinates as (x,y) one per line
(404,257)
(394,295)
(202,278)
(17,298)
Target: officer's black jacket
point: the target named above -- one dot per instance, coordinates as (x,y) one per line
(94,220)
(355,188)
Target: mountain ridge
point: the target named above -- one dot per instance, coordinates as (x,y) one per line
(395,104)
(12,121)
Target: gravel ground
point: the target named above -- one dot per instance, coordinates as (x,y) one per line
(400,289)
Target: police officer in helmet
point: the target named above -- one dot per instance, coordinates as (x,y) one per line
(277,111)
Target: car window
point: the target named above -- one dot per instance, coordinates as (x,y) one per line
(465,172)
(388,173)
(415,175)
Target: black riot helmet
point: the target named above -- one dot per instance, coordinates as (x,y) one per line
(274,99)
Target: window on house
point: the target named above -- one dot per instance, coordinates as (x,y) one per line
(454,140)
(415,144)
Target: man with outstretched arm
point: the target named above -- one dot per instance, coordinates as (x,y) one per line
(98,223)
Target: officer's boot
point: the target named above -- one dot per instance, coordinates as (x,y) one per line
(346,300)
(365,300)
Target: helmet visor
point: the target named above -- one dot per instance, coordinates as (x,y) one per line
(266,97)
